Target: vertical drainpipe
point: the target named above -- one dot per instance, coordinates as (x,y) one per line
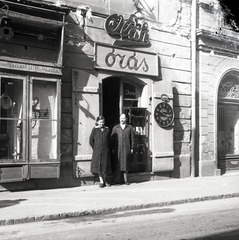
(193,86)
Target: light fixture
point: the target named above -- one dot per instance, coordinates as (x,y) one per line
(4,21)
(4,18)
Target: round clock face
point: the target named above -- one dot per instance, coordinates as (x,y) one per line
(164,114)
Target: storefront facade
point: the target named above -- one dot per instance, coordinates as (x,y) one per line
(175,76)
(78,67)
(30,75)
(140,71)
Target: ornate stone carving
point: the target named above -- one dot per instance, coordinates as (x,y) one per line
(229,88)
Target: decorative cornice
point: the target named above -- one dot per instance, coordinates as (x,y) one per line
(218,43)
(216,36)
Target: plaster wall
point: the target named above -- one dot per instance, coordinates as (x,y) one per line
(213,68)
(217,55)
(169,33)
(169,39)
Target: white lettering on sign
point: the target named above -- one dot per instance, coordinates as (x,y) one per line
(30,68)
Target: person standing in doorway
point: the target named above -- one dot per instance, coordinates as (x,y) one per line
(122,144)
(99,141)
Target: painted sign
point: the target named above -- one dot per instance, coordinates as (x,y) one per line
(129,91)
(29,67)
(129,30)
(125,60)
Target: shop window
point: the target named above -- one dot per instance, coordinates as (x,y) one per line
(44,121)
(29,128)
(221,119)
(228,130)
(130,95)
(228,115)
(12,121)
(228,122)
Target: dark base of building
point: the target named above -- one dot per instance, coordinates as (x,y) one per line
(38,184)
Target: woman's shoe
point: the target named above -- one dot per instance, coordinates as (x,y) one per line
(101,185)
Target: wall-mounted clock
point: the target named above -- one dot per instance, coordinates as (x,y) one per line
(164,114)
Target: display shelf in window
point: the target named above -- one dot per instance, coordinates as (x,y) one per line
(138,118)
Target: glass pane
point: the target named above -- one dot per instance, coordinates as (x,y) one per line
(12,124)
(130,95)
(11,140)
(130,103)
(44,140)
(44,121)
(228,134)
(129,91)
(44,100)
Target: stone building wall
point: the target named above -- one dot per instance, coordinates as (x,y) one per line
(170,39)
(218,54)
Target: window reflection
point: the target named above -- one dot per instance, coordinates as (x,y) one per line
(11,121)
(228,137)
(130,95)
(44,124)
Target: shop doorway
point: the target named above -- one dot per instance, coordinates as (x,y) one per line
(118,94)
(228,123)
(123,95)
(111,110)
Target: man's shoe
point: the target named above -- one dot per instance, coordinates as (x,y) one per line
(101,185)
(127,183)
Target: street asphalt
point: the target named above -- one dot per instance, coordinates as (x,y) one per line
(42,205)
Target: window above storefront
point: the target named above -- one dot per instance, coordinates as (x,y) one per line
(31,32)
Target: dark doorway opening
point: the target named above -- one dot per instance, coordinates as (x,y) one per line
(111,99)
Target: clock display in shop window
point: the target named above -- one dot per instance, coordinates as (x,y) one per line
(164,114)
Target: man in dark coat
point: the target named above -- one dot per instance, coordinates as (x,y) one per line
(122,144)
(99,141)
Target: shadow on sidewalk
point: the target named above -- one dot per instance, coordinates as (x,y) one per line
(226,235)
(9,203)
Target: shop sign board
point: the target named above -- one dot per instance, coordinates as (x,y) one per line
(125,60)
(29,67)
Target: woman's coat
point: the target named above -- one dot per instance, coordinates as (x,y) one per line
(99,141)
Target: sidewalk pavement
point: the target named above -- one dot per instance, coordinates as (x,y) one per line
(54,204)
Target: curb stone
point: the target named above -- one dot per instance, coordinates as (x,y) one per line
(51,217)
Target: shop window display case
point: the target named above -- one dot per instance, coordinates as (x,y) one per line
(137,117)
(29,128)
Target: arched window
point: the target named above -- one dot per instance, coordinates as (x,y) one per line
(228,122)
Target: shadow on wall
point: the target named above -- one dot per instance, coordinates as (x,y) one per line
(78,48)
(178,135)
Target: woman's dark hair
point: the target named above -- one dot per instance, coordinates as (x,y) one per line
(98,119)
